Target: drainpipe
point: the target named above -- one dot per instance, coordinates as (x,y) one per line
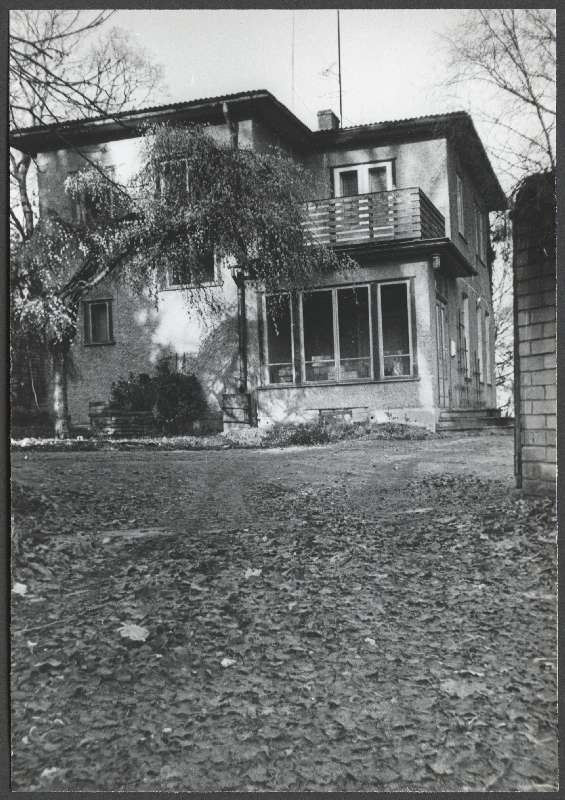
(239,278)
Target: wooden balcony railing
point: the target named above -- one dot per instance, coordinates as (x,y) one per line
(380,216)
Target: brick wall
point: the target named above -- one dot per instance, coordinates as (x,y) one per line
(535,335)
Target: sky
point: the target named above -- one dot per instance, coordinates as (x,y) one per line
(393,61)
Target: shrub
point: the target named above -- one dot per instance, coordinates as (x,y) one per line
(175,399)
(179,400)
(138,393)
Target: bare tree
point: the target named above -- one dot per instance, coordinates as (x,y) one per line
(62,65)
(512,54)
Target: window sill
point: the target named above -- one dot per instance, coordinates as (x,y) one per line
(191,286)
(308,384)
(98,344)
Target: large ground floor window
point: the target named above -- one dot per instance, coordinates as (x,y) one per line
(339,334)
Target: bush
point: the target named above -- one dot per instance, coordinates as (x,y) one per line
(138,393)
(175,399)
(179,400)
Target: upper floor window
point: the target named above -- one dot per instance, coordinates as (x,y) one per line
(98,322)
(199,270)
(460,206)
(480,234)
(363,178)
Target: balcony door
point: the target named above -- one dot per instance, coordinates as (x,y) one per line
(366,205)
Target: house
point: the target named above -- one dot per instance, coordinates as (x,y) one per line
(535,343)
(407,335)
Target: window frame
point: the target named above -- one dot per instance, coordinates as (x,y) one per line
(374,327)
(87,312)
(171,286)
(480,233)
(480,343)
(266,362)
(466,335)
(460,200)
(362,169)
(335,330)
(384,377)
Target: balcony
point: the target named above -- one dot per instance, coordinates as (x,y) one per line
(397,215)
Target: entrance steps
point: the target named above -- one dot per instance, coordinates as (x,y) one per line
(471,419)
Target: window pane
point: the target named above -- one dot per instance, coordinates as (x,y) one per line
(396,337)
(378,179)
(349,182)
(354,341)
(279,339)
(99,323)
(317,312)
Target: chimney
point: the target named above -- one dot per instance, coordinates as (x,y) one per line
(327,120)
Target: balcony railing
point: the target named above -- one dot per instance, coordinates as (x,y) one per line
(380,217)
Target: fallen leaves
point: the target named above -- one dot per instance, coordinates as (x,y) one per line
(339,644)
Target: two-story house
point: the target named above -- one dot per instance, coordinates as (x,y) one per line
(406,335)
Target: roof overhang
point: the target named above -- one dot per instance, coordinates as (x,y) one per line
(259,104)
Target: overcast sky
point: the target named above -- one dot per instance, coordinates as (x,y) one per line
(392,60)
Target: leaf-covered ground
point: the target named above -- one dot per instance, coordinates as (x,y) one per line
(366,616)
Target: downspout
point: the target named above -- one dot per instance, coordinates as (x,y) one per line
(239,278)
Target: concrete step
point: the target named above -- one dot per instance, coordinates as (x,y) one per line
(468,419)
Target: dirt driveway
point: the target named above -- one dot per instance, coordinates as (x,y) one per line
(363,616)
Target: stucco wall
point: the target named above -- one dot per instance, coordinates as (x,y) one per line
(146,330)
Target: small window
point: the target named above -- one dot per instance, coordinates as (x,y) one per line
(279,348)
(198,270)
(396,345)
(460,206)
(98,322)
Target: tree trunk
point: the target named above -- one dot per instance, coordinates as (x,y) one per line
(60,401)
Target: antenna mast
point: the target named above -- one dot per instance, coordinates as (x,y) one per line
(339,71)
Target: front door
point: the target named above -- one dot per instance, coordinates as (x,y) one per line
(442,355)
